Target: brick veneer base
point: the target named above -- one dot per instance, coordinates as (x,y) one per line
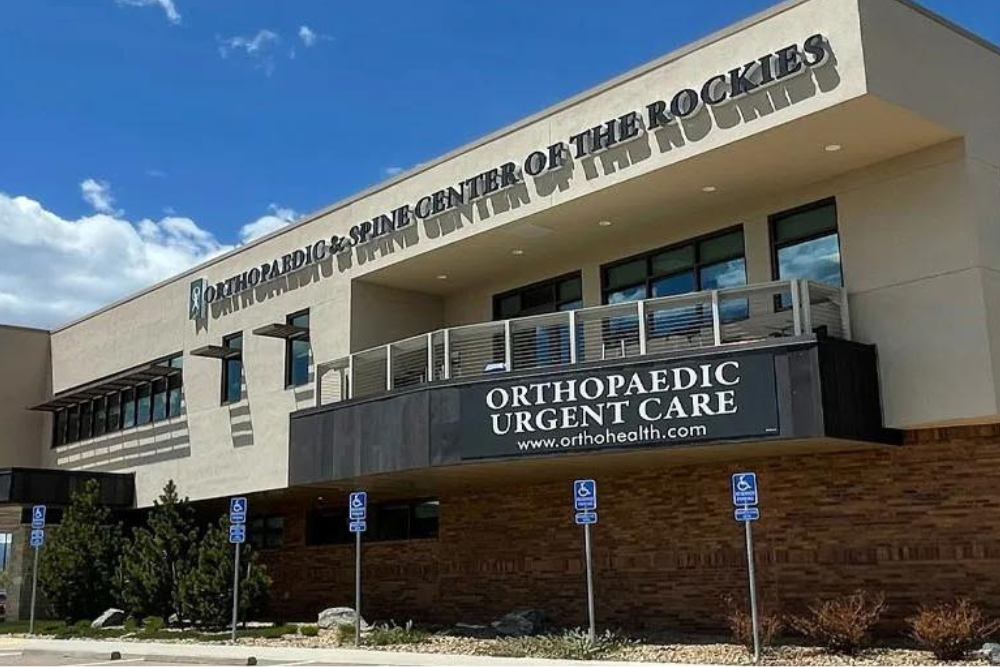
(920,522)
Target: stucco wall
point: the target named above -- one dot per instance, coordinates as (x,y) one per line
(24,382)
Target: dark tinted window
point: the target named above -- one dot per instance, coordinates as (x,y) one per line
(267,532)
(806,244)
(409,520)
(548,296)
(142,404)
(128,408)
(297,353)
(232,369)
(114,412)
(159,400)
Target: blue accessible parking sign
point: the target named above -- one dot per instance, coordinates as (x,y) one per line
(358,526)
(357,506)
(585,518)
(585,495)
(238,510)
(746,514)
(744,489)
(237,533)
(37,537)
(38,516)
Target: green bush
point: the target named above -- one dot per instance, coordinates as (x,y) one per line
(152,624)
(951,630)
(308,630)
(78,563)
(393,634)
(275,631)
(158,556)
(206,591)
(131,625)
(569,645)
(344,633)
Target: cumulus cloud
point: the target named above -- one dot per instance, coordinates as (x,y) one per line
(98,194)
(278,217)
(167,6)
(307,35)
(259,48)
(54,269)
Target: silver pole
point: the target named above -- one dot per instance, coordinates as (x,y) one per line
(753,593)
(34,589)
(236,589)
(590,583)
(357,589)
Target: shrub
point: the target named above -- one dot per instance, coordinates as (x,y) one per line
(131,625)
(344,633)
(951,630)
(77,565)
(394,634)
(569,645)
(206,591)
(158,556)
(308,630)
(152,624)
(844,624)
(740,623)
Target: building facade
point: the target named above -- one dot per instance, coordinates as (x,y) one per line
(776,249)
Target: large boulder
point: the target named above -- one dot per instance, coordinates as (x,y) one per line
(334,616)
(991,652)
(520,623)
(109,618)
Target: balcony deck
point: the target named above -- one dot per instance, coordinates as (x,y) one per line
(696,321)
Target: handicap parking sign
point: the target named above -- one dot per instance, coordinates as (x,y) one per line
(238,509)
(38,516)
(37,537)
(746,513)
(237,533)
(585,518)
(584,495)
(744,489)
(357,505)
(358,526)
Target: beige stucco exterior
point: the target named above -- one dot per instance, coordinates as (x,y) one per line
(910,99)
(25,373)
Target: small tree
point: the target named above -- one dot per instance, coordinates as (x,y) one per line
(77,565)
(206,591)
(158,557)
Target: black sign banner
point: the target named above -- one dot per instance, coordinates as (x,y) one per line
(647,404)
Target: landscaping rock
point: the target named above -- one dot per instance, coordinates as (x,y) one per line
(520,623)
(991,652)
(334,616)
(473,631)
(174,620)
(109,618)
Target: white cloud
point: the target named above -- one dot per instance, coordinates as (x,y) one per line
(392,171)
(278,217)
(54,269)
(307,35)
(258,48)
(98,194)
(167,5)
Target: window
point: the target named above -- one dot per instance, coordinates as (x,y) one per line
(232,369)
(805,244)
(100,416)
(59,428)
(142,405)
(73,424)
(267,532)
(297,352)
(86,421)
(159,400)
(114,413)
(400,520)
(549,296)
(128,408)
(712,262)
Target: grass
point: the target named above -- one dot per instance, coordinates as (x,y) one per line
(394,634)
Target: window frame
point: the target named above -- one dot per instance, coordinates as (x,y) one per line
(262,536)
(553,282)
(696,267)
(338,517)
(289,346)
(775,219)
(223,389)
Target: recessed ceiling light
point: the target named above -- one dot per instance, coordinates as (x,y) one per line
(604,223)
(443,276)
(517,251)
(832,148)
(709,188)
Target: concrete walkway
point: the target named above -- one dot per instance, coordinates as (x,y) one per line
(97,651)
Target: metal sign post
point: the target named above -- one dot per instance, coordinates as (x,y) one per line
(745,500)
(585,504)
(237,535)
(357,513)
(37,540)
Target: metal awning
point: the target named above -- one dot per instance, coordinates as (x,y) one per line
(216,352)
(284,331)
(117,382)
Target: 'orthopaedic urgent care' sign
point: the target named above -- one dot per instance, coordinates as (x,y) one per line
(718,89)
(650,404)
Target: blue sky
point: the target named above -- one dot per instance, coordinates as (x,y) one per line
(188,120)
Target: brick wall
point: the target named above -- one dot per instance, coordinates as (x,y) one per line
(920,522)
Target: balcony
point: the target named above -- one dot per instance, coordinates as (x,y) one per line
(697,321)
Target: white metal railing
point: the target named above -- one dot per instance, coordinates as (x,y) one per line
(654,326)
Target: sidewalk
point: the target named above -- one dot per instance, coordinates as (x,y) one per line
(281,655)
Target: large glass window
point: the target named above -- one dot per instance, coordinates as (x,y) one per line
(73,424)
(86,421)
(159,400)
(100,416)
(232,369)
(142,404)
(114,413)
(267,532)
(59,428)
(805,244)
(297,352)
(545,344)
(128,408)
(401,520)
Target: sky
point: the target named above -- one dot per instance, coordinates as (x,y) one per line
(141,137)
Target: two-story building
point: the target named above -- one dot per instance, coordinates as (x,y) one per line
(776,249)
